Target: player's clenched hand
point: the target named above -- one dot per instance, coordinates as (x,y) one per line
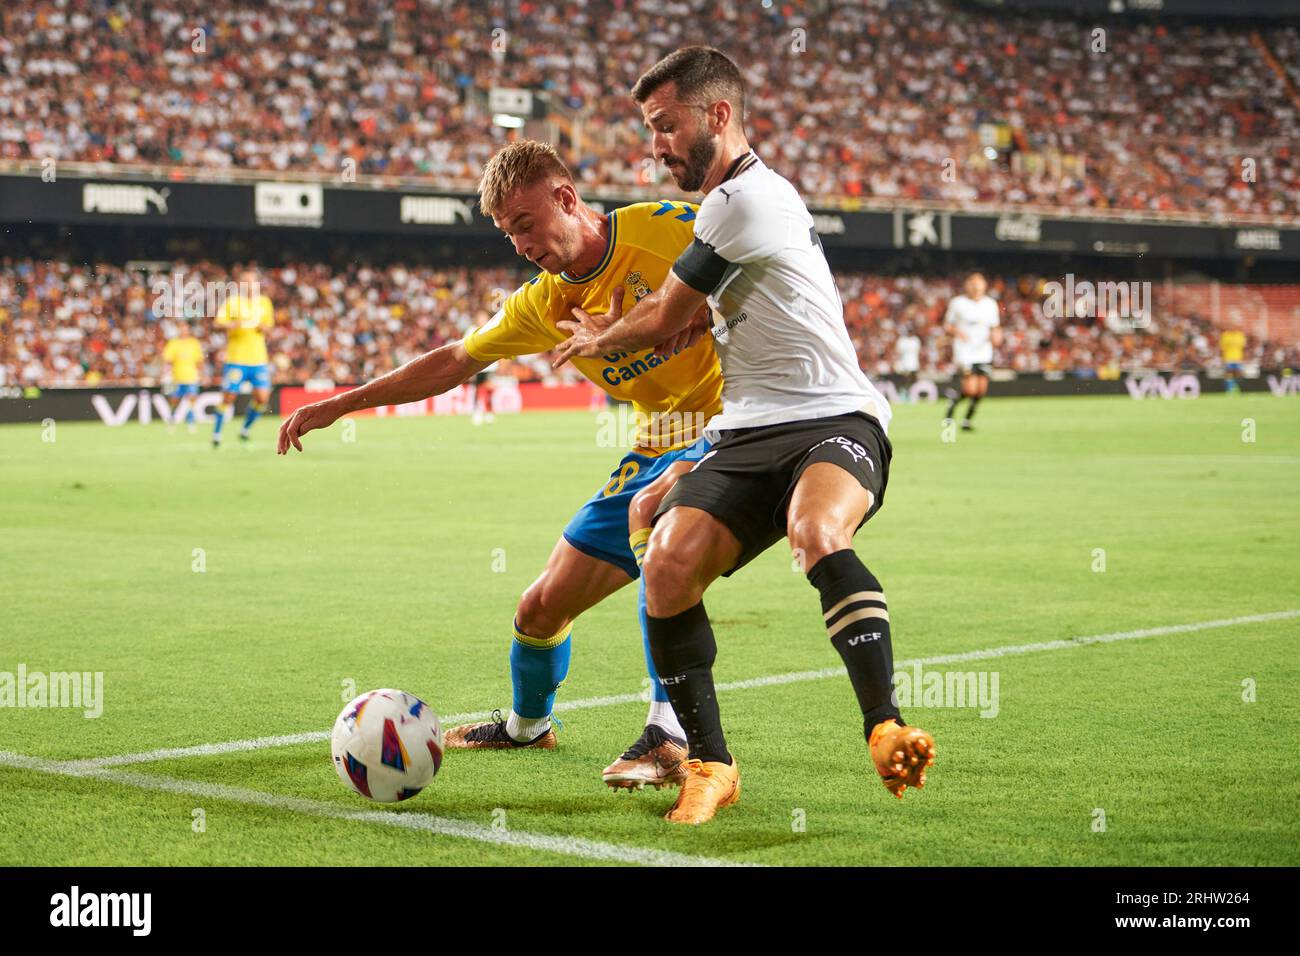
(700,323)
(306,419)
(584,330)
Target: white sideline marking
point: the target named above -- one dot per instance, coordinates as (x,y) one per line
(168,753)
(441,826)
(286,740)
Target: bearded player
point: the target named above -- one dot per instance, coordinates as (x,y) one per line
(800,448)
(591,261)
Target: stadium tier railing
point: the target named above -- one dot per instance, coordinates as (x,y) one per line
(154,172)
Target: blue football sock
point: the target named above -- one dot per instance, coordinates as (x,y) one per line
(538,665)
(254,413)
(222,412)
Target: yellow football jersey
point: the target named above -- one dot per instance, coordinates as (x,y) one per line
(673,398)
(185,354)
(1232,345)
(245,344)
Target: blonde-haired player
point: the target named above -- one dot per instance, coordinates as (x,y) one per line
(592,261)
(244,316)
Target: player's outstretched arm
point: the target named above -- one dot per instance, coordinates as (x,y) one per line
(432,373)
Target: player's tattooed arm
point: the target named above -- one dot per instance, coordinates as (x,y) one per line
(658,319)
(433,373)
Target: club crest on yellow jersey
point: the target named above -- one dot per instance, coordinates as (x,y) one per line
(644,240)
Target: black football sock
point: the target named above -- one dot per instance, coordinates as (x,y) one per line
(970,412)
(952,405)
(684,650)
(858,623)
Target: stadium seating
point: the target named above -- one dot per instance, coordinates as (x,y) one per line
(64,323)
(860,99)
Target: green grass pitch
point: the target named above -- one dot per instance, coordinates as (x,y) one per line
(375,563)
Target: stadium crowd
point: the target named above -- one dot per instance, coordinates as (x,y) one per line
(850,98)
(72,324)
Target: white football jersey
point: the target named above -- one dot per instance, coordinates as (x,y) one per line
(975,320)
(778,323)
(908,350)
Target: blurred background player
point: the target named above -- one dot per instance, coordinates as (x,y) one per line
(483,399)
(1232,349)
(481,393)
(973,321)
(244,316)
(907,361)
(185,354)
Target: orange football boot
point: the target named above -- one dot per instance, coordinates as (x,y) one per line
(901,755)
(708,787)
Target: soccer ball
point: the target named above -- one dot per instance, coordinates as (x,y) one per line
(387,745)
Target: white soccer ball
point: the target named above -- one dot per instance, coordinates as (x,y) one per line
(387,745)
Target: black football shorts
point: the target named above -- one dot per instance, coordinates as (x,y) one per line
(747,479)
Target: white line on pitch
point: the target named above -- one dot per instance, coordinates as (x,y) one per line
(286,740)
(201,750)
(442,826)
